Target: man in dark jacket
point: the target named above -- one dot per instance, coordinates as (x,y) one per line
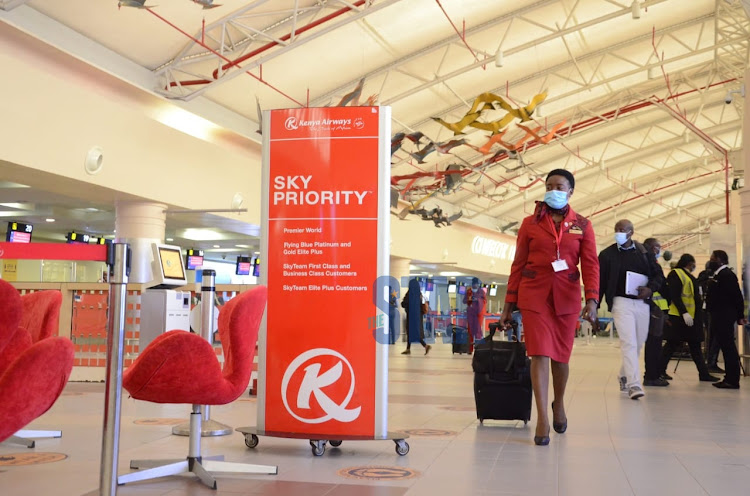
(726,306)
(619,265)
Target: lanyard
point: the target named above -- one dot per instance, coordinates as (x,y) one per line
(556,234)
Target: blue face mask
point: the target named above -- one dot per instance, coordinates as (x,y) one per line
(556,199)
(621,238)
(657,255)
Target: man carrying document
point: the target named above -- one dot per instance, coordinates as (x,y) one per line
(628,275)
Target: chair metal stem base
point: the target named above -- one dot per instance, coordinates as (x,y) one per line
(208,428)
(202,469)
(29,443)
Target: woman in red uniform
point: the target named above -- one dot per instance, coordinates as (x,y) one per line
(544,284)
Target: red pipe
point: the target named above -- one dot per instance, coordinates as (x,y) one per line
(272,44)
(653,191)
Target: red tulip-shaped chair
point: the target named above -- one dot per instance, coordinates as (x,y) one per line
(32,376)
(41,318)
(181,367)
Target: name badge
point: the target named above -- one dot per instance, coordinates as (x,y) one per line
(575,230)
(559,265)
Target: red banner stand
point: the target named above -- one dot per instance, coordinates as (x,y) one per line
(323,374)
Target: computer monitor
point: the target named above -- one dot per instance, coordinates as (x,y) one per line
(429,285)
(194,259)
(462,289)
(256,267)
(19,232)
(166,267)
(451,287)
(243,267)
(493,290)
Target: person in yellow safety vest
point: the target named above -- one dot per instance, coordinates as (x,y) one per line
(685,314)
(658,310)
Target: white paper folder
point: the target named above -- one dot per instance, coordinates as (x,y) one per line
(634,280)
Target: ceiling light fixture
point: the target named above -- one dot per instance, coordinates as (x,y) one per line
(170,239)
(201,235)
(49,220)
(499,59)
(242,246)
(636,9)
(217,246)
(187,122)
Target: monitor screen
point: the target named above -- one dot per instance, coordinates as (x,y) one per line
(171,263)
(167,268)
(243,266)
(256,267)
(462,289)
(493,290)
(194,262)
(19,232)
(451,287)
(429,286)
(18,237)
(74,237)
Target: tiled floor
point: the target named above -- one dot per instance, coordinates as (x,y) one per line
(686,439)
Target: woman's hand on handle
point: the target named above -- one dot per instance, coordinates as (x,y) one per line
(505,317)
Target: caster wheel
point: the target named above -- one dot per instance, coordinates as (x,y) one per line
(251,440)
(335,443)
(481,421)
(402,447)
(318,447)
(525,422)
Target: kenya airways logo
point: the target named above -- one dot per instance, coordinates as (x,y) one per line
(313,383)
(294,123)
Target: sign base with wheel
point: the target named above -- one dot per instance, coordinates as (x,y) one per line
(319,445)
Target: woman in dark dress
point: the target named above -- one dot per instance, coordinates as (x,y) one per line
(412,303)
(685,316)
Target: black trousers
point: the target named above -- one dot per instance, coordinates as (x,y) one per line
(652,357)
(723,328)
(695,354)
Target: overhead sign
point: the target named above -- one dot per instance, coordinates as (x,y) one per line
(492,248)
(326,226)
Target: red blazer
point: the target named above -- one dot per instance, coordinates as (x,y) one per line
(532,277)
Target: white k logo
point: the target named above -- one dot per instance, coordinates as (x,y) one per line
(312,384)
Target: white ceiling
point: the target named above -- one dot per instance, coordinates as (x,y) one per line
(642,98)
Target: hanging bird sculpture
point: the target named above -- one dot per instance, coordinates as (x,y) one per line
(353,96)
(396,142)
(136,4)
(207,4)
(524,113)
(458,127)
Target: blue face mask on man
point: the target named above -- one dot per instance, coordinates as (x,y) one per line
(556,199)
(621,238)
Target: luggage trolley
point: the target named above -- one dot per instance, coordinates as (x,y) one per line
(319,445)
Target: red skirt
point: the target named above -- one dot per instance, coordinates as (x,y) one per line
(548,334)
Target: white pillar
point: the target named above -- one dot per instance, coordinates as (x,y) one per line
(140,224)
(744,223)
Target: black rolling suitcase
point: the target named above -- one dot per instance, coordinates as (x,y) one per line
(460,340)
(502,380)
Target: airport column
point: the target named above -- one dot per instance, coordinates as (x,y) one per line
(140,224)
(399,269)
(743,344)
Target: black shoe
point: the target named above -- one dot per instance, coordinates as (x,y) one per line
(655,382)
(560,427)
(542,440)
(709,378)
(715,369)
(666,377)
(725,385)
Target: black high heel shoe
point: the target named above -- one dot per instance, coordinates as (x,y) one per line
(560,427)
(542,440)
